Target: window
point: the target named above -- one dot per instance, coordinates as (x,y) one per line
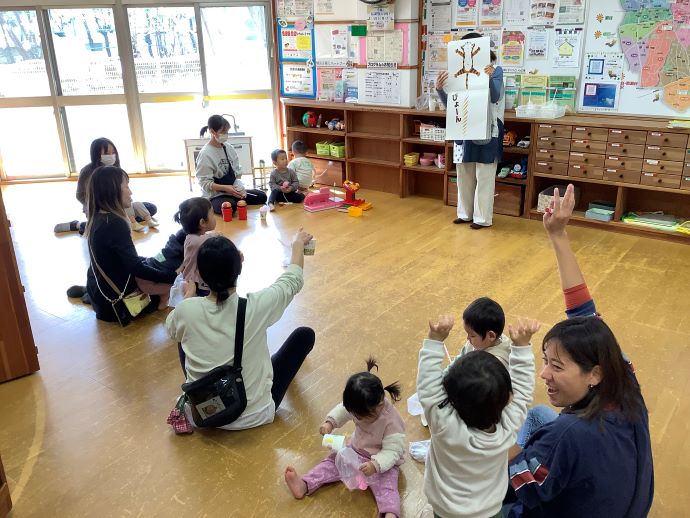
(22,67)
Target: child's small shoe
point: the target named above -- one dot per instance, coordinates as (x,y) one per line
(271,207)
(137,227)
(178,420)
(151,222)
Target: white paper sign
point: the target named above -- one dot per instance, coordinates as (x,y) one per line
(382,87)
(467,115)
(466,62)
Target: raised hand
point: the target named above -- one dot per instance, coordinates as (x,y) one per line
(301,237)
(521,333)
(441,329)
(559,211)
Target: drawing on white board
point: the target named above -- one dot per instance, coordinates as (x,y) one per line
(467,52)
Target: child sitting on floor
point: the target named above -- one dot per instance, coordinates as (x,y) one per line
(198,220)
(378,440)
(283,182)
(301,165)
(474,410)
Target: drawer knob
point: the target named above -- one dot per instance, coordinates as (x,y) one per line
(665,140)
(627,137)
(659,180)
(586,159)
(661,167)
(620,176)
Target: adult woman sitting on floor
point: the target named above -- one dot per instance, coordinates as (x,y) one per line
(111,250)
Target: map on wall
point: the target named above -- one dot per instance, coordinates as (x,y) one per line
(653,36)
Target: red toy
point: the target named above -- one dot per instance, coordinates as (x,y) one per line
(350,189)
(309,119)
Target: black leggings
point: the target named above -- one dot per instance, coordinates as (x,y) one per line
(278,196)
(286,361)
(254,197)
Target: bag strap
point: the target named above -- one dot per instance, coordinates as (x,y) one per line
(114,287)
(230,168)
(239,333)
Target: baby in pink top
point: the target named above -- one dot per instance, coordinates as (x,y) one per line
(378,440)
(198,220)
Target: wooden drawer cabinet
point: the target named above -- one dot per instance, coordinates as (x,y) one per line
(588,146)
(508,199)
(585,171)
(622,162)
(587,133)
(587,158)
(660,180)
(685,182)
(627,136)
(622,149)
(621,175)
(554,143)
(551,167)
(554,130)
(665,153)
(659,138)
(555,155)
(662,166)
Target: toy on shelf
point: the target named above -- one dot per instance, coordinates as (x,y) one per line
(519,171)
(309,119)
(524,143)
(509,138)
(335,125)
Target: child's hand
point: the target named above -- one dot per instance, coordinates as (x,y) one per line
(559,211)
(301,238)
(441,80)
(522,332)
(326,427)
(368,468)
(441,329)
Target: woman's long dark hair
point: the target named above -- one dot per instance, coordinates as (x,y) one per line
(591,343)
(364,392)
(100,146)
(104,193)
(220,263)
(216,123)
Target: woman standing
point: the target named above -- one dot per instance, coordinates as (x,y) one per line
(218,169)
(111,248)
(476,175)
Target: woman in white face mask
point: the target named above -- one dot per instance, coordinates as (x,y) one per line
(218,169)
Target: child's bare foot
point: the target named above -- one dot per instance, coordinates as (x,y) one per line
(271,207)
(298,487)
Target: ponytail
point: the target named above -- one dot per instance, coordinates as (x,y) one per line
(203,131)
(221,296)
(394,390)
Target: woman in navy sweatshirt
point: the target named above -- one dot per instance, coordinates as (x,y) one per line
(595,457)
(110,243)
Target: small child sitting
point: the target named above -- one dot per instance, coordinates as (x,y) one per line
(378,440)
(474,410)
(197,219)
(301,165)
(484,322)
(283,182)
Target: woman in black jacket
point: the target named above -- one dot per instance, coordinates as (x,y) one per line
(111,246)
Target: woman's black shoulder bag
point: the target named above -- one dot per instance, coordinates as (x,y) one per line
(219,398)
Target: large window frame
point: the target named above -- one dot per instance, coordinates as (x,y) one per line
(131,99)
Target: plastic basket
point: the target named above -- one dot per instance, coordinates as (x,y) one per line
(323,148)
(337,150)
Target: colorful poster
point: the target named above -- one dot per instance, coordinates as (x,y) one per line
(385,47)
(570,12)
(297,80)
(465,13)
(380,17)
(491,13)
(382,87)
(324,7)
(542,12)
(440,14)
(295,45)
(339,49)
(600,96)
(537,43)
(515,13)
(512,49)
(350,81)
(468,89)
(567,44)
(327,83)
(603,66)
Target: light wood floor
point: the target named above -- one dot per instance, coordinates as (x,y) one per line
(86,436)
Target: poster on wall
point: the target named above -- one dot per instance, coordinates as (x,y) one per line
(512,50)
(570,12)
(350,82)
(465,13)
(382,87)
(380,17)
(537,43)
(324,7)
(329,84)
(468,89)
(491,13)
(295,45)
(294,8)
(566,48)
(440,15)
(603,66)
(542,12)
(385,47)
(600,96)
(516,13)
(297,80)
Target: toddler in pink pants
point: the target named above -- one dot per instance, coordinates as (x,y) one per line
(378,440)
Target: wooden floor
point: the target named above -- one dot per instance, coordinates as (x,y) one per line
(86,436)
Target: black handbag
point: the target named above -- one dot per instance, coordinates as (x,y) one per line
(219,398)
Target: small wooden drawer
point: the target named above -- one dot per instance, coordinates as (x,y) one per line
(621,175)
(686,168)
(685,183)
(670,181)
(620,148)
(587,133)
(665,153)
(551,167)
(587,158)
(627,136)
(588,146)
(508,199)
(623,162)
(554,130)
(554,143)
(585,171)
(551,154)
(662,166)
(660,138)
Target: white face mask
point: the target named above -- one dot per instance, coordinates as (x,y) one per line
(108,159)
(222,137)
